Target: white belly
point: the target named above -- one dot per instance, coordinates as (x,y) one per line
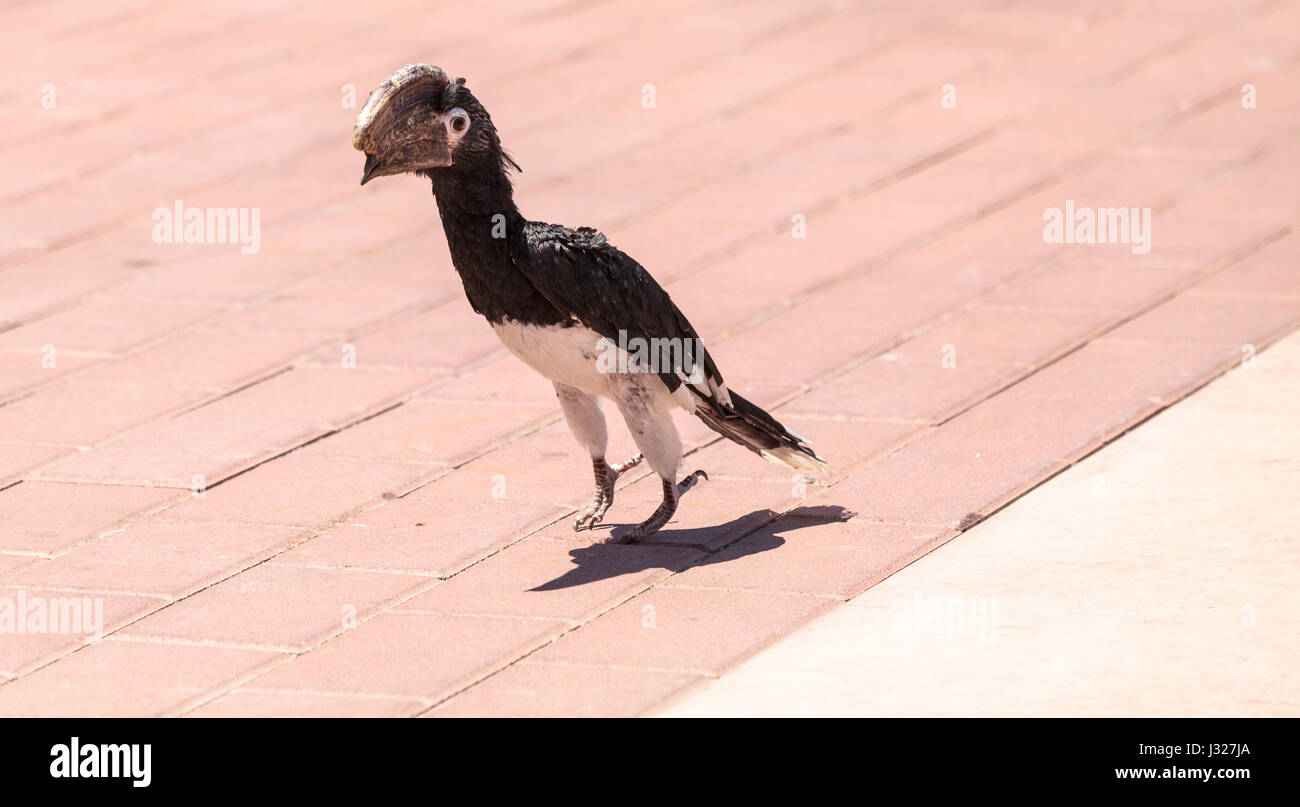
(564,355)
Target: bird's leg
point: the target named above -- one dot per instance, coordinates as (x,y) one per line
(672,495)
(606,476)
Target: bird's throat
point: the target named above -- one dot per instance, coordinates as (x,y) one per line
(485,235)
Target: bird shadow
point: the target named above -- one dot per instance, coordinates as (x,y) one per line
(612,559)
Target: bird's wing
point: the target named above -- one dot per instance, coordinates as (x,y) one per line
(591,280)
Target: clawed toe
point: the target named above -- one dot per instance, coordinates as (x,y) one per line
(595,511)
(626,465)
(665,511)
(606,476)
(690,481)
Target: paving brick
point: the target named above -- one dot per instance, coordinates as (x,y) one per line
(242,429)
(1270,273)
(790,347)
(329,307)
(422,261)
(1141,177)
(433,432)
(30,289)
(344,229)
(813,550)
(913,389)
(991,453)
(993,169)
(208,359)
(1122,370)
(104,326)
(178,453)
(301,490)
(712,29)
(1247,198)
(21,371)
(768,275)
(445,338)
(548,466)
(159,557)
(114,255)
(144,679)
(52,517)
(979,253)
(37,225)
(755,123)
(1127,388)
(527,689)
(499,381)
(1198,230)
(48,623)
(324,397)
(1226,131)
(12,563)
(698,630)
(225,277)
(556,577)
(273,703)
(15,458)
(989,334)
(416,655)
(1195,318)
(436,530)
(714,513)
(1101,285)
(282,607)
(948,484)
(86,413)
(843,444)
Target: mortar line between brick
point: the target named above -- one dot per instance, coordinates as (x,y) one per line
(816,288)
(1086,341)
(377,696)
(727,113)
(1033,483)
(224,70)
(8,260)
(583,665)
(1216,372)
(517,657)
(209,695)
(304,151)
(332,693)
(1190,283)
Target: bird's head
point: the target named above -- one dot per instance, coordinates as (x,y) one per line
(421,121)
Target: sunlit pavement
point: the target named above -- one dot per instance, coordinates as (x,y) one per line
(293,473)
(1153,578)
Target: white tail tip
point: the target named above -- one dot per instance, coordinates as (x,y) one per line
(792,458)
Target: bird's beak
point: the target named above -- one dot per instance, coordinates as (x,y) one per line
(399,129)
(372,165)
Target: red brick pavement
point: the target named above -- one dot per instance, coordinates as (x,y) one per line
(309,481)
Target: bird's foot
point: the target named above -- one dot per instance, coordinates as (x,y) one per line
(666,509)
(606,476)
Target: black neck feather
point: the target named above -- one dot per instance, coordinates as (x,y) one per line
(485,234)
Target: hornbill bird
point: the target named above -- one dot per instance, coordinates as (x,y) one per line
(562,299)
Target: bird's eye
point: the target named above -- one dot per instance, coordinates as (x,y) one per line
(458,121)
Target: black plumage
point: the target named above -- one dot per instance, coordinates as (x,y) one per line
(545,287)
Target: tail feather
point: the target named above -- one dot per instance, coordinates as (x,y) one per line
(747,424)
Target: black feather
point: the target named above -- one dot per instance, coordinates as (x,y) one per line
(543,274)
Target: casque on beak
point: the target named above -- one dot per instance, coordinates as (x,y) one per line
(400,128)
